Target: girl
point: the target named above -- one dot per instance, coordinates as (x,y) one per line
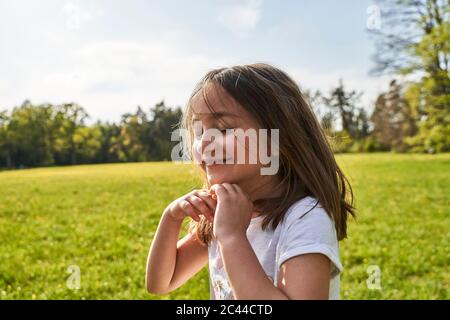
(262,236)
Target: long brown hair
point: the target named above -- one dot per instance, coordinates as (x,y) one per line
(307,166)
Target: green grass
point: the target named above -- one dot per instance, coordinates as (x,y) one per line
(102,219)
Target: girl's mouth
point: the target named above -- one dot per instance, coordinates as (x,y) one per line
(216,162)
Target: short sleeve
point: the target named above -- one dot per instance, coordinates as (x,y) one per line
(308,229)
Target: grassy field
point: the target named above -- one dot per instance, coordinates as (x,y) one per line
(101,218)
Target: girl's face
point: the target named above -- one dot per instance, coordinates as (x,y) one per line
(228,114)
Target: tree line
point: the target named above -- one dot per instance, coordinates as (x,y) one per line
(46,134)
(43,135)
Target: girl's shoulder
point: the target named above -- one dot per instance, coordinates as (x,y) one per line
(304,206)
(308,201)
(308,213)
(307,228)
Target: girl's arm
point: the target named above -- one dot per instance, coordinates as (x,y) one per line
(302,277)
(171,262)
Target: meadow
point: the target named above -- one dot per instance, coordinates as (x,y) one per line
(101,218)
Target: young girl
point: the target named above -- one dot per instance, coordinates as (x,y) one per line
(262,236)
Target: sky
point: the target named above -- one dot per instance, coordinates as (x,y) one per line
(111,56)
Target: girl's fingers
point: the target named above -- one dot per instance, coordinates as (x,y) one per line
(236,188)
(207,198)
(229,188)
(200,206)
(187,207)
(216,189)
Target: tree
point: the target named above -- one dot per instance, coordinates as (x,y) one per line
(109,135)
(6,144)
(432,118)
(163,122)
(68,118)
(131,145)
(345,104)
(87,142)
(409,27)
(414,42)
(323,114)
(29,132)
(392,119)
(362,120)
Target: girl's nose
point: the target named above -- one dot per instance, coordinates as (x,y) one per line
(200,146)
(206,140)
(209,142)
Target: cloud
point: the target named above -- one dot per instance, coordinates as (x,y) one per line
(110,78)
(242,18)
(47,60)
(138,66)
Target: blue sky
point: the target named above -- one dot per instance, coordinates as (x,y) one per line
(111,56)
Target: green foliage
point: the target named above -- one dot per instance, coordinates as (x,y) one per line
(340,141)
(353,118)
(432,107)
(417,45)
(102,218)
(45,135)
(393,119)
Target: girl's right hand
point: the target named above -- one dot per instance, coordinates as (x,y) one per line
(193,204)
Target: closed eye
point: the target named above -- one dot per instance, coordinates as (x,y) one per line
(200,130)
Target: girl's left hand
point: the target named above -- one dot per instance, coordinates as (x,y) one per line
(233,211)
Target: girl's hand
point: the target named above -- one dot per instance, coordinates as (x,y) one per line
(233,212)
(193,204)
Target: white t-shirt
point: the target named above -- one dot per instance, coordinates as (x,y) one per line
(306,228)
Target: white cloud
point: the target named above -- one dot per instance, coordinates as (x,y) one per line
(111,78)
(241,18)
(49,59)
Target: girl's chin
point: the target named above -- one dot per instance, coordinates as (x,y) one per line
(218,179)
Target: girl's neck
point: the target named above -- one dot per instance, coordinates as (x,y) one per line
(265,189)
